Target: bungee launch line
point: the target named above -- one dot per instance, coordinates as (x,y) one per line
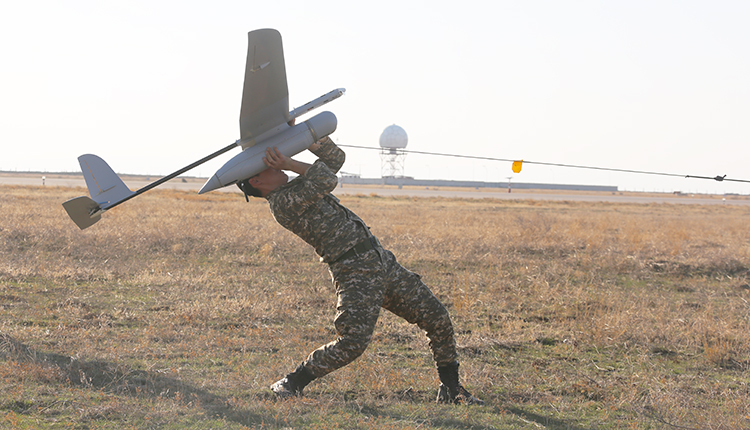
(517,164)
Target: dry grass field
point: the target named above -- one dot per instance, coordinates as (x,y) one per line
(178,310)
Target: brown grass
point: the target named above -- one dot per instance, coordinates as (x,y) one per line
(179,310)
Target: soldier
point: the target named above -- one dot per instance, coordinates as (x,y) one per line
(366,276)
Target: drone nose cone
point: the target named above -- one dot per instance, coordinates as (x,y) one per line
(211,184)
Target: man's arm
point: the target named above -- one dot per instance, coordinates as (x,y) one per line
(329,153)
(279,161)
(315,146)
(314,182)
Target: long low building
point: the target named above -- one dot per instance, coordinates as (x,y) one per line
(407,181)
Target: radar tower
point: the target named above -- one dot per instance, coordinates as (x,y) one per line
(393,140)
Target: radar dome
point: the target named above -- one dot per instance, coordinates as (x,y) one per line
(393,137)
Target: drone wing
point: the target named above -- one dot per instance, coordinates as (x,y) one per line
(265,96)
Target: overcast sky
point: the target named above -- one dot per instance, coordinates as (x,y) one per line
(151,86)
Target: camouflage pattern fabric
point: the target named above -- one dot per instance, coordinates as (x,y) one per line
(305,207)
(364,282)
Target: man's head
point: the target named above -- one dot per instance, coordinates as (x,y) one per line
(263,183)
(248,189)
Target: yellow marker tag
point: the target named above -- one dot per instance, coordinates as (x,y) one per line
(517,166)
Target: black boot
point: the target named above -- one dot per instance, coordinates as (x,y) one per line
(451,391)
(292,384)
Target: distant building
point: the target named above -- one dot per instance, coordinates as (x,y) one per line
(408,181)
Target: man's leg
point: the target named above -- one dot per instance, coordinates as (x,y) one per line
(360,289)
(408,297)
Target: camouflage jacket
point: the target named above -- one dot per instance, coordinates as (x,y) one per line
(306,207)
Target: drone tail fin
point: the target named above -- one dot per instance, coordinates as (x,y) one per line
(105,188)
(83,211)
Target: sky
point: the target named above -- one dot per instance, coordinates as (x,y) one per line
(151,86)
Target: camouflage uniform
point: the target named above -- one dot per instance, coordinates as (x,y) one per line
(366,277)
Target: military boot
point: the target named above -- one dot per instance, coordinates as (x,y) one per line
(292,384)
(451,391)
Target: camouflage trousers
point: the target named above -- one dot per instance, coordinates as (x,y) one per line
(365,283)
